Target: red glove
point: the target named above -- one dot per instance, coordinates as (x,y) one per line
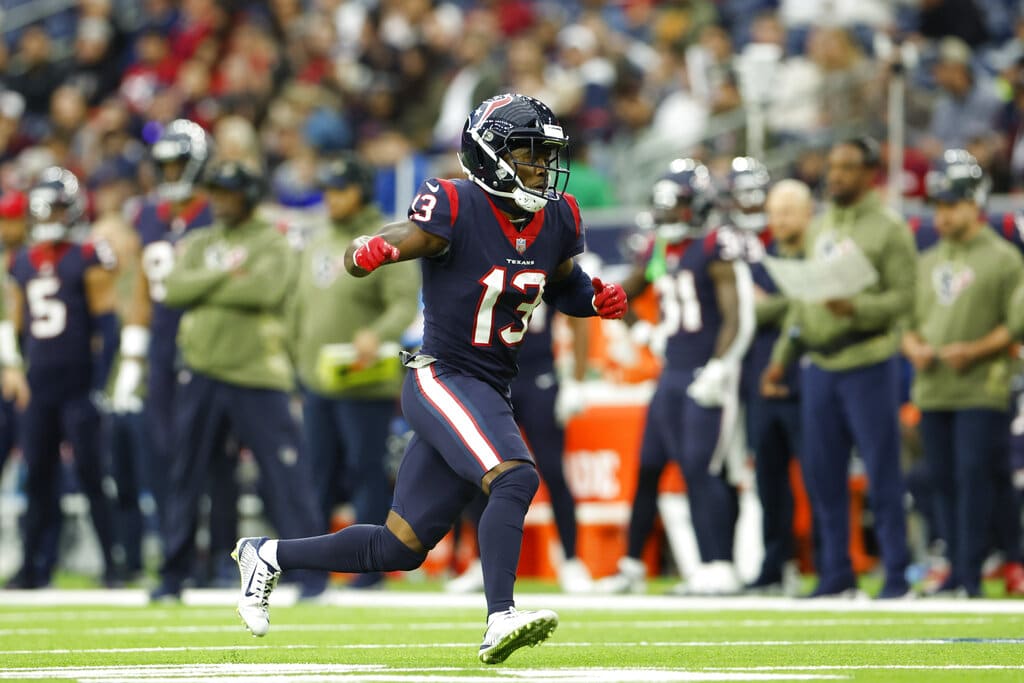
(609,300)
(373,253)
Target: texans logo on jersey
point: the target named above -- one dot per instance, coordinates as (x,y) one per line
(950,280)
(827,246)
(326,268)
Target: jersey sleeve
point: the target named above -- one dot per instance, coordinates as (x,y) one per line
(99,253)
(575,241)
(435,207)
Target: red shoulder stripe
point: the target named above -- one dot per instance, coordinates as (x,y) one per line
(1009,225)
(574,205)
(453,197)
(710,241)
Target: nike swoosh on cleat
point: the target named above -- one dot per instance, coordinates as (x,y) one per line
(432,187)
(248,592)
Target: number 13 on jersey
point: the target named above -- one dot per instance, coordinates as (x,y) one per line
(525,281)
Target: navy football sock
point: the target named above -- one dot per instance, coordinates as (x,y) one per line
(358,548)
(645,504)
(501,533)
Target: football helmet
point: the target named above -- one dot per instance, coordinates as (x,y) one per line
(235,176)
(681,202)
(746,192)
(510,122)
(57,188)
(186,142)
(957,176)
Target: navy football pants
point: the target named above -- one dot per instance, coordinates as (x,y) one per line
(840,410)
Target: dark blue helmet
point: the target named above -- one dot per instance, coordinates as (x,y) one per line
(57,188)
(681,202)
(185,142)
(345,171)
(957,176)
(235,176)
(509,122)
(746,192)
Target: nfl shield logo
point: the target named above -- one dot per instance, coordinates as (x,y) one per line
(521,244)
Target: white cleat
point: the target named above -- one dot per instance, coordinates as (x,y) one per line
(712,579)
(632,578)
(259,577)
(574,577)
(469,581)
(510,630)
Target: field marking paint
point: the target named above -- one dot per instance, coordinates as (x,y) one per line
(289,673)
(287,595)
(884,642)
(476,625)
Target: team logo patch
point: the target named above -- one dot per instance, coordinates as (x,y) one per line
(326,268)
(950,280)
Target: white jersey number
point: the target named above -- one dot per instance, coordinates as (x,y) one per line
(49,315)
(680,307)
(494,285)
(157,264)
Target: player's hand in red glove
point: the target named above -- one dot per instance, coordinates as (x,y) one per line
(373,253)
(609,300)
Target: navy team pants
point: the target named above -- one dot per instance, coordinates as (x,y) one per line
(205,411)
(679,429)
(49,419)
(533,403)
(840,410)
(773,429)
(347,444)
(966,450)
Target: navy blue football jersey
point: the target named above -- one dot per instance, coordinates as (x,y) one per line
(536,355)
(689,316)
(479,294)
(58,327)
(159,231)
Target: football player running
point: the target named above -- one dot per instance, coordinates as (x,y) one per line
(706,301)
(492,247)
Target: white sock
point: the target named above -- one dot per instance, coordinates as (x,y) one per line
(268,552)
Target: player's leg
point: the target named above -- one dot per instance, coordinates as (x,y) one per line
(363,426)
(825,459)
(772,452)
(158,416)
(534,409)
(262,420)
(81,425)
(200,429)
(870,397)
(322,444)
(40,427)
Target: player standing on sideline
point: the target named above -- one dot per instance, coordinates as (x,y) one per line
(849,392)
(706,301)
(773,424)
(957,341)
(347,362)
(491,248)
(232,279)
(148,337)
(13,232)
(62,297)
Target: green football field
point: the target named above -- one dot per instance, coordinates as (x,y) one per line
(411,636)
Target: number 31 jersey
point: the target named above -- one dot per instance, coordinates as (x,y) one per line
(479,294)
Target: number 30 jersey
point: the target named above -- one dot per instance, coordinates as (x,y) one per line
(479,294)
(58,327)
(159,231)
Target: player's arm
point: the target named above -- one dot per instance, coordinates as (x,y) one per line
(13,383)
(636,282)
(190,281)
(399,241)
(727,297)
(101,299)
(575,293)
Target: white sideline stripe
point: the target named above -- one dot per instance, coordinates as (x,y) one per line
(327,672)
(287,595)
(462,421)
(477,624)
(881,642)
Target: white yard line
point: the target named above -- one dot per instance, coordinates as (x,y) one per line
(286,595)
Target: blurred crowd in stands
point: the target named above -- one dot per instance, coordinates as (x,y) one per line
(637,82)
